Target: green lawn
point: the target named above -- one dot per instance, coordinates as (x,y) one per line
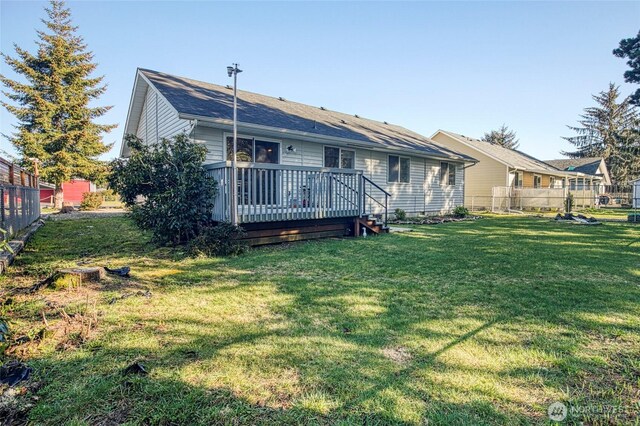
(483,322)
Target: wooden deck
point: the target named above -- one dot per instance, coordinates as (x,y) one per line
(277,203)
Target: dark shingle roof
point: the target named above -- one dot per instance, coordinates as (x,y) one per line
(212,101)
(587,166)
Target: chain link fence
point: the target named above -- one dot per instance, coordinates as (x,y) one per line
(504,199)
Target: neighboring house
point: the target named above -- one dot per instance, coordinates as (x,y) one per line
(47,193)
(498,167)
(72,191)
(508,173)
(592,166)
(297,162)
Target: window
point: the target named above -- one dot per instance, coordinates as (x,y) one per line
(447,174)
(339,158)
(266,152)
(253,150)
(399,169)
(517,180)
(347,159)
(537,181)
(552,182)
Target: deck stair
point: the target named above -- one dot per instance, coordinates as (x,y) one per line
(373,224)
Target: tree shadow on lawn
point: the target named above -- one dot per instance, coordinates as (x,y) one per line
(396,329)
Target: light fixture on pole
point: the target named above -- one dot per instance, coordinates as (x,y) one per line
(234,71)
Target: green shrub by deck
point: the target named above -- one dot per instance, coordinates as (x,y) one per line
(169,177)
(91,201)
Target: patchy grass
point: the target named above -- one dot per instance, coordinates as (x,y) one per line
(610,213)
(482,322)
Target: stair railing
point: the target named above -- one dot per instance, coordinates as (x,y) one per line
(367,193)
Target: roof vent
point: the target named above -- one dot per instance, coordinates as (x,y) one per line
(343,122)
(282,99)
(229,87)
(385,122)
(323,108)
(356,116)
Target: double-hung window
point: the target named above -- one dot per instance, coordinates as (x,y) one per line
(447,174)
(399,169)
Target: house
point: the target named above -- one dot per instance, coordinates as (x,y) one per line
(298,165)
(590,166)
(72,191)
(635,197)
(503,173)
(47,193)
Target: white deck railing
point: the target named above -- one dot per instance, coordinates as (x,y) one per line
(275,192)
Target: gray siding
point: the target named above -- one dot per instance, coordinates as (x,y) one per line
(158,119)
(423,194)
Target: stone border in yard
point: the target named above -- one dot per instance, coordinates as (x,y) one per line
(6,257)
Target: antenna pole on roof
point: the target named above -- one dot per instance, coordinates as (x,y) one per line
(234,71)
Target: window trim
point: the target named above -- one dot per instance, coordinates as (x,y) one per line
(226,135)
(515,179)
(534,181)
(399,169)
(339,157)
(449,164)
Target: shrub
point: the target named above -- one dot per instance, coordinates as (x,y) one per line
(400,214)
(222,239)
(109,195)
(461,211)
(91,201)
(169,177)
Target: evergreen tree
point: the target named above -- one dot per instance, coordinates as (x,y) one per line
(56,123)
(609,130)
(630,48)
(503,137)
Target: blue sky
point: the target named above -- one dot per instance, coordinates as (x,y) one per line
(464,67)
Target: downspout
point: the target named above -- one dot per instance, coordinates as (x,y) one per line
(464,184)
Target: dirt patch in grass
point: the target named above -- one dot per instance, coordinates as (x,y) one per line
(398,354)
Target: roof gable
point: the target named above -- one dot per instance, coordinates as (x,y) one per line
(192,98)
(509,157)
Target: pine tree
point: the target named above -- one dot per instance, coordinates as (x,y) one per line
(630,48)
(56,124)
(503,137)
(609,130)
